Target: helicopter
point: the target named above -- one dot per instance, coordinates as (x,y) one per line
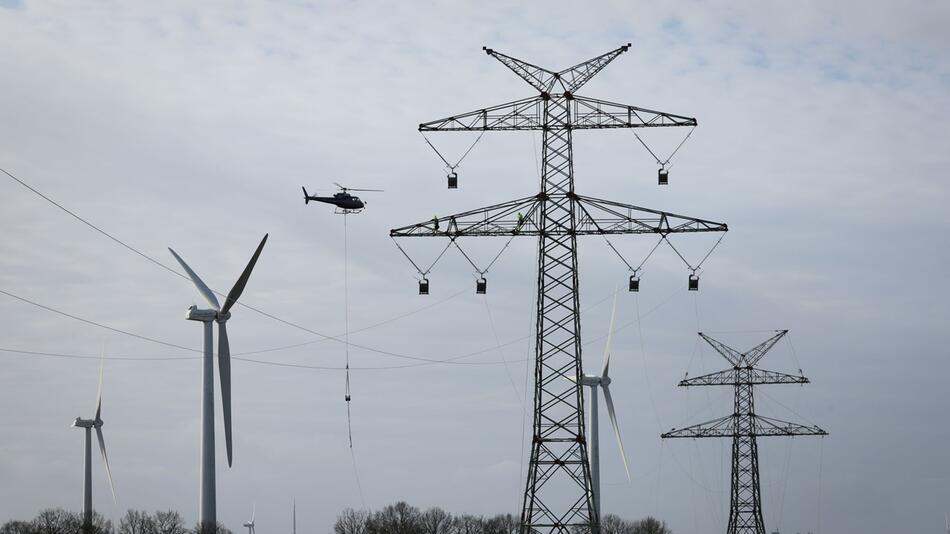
(345,202)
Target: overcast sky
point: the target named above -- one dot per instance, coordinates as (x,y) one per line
(822,143)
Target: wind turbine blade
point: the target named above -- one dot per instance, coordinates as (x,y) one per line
(610,336)
(99,389)
(224,372)
(195,279)
(253,513)
(105,460)
(613,423)
(238,288)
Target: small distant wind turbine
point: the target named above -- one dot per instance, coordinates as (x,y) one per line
(295,517)
(603,381)
(207,514)
(250,524)
(88,425)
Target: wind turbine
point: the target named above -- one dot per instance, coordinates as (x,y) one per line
(88,425)
(250,524)
(295,517)
(207,515)
(602,381)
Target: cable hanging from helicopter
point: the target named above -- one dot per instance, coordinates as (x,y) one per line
(663,174)
(452,176)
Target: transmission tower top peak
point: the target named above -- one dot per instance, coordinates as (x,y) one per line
(569,79)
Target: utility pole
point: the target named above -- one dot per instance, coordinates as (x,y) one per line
(744,426)
(557,497)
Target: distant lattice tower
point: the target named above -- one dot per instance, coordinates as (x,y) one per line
(744,426)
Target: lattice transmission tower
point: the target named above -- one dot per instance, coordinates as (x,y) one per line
(744,426)
(557,495)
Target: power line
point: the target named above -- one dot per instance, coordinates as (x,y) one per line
(238,356)
(100,325)
(178,274)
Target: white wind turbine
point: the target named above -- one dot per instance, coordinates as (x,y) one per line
(207,515)
(602,381)
(250,524)
(88,425)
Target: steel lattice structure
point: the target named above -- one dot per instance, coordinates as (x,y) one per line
(557,494)
(744,426)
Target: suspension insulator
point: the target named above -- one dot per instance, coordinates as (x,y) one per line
(693,282)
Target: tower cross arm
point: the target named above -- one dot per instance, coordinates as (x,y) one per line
(572,78)
(725,427)
(515,217)
(716,428)
(732,355)
(597,217)
(753,355)
(524,114)
(592,114)
(523,217)
(538,77)
(730,377)
(767,426)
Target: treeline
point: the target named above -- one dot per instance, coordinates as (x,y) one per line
(402,518)
(59,521)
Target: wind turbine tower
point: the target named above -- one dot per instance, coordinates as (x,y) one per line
(250,524)
(594,382)
(88,425)
(207,514)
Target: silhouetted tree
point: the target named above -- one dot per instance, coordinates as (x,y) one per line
(136,522)
(435,521)
(17,527)
(169,522)
(399,518)
(650,526)
(467,524)
(351,522)
(613,524)
(56,521)
(502,524)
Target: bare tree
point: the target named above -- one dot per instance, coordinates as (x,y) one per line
(650,526)
(351,521)
(467,524)
(399,518)
(169,522)
(613,524)
(434,521)
(502,524)
(17,527)
(57,521)
(136,522)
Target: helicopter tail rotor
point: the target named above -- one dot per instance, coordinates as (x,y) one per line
(306,197)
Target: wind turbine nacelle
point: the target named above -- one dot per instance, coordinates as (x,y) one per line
(196,314)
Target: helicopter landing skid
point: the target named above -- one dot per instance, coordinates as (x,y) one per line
(341,211)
